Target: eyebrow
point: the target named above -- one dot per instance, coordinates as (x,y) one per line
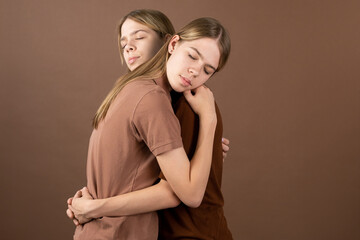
(208,65)
(133,33)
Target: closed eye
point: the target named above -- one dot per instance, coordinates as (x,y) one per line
(192,57)
(123,44)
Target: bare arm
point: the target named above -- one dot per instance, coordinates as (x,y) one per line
(189,179)
(156,197)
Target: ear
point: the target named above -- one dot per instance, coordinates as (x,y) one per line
(167,37)
(173,43)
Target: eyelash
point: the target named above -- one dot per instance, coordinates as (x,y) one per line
(139,38)
(193,58)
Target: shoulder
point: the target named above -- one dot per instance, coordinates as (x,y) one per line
(149,98)
(141,89)
(143,86)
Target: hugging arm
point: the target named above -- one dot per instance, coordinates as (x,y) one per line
(84,208)
(188,180)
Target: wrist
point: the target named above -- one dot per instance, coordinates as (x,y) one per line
(94,208)
(208,121)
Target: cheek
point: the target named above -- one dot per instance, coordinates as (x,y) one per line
(170,65)
(180,61)
(202,80)
(172,69)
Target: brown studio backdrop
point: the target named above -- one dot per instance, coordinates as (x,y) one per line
(289,98)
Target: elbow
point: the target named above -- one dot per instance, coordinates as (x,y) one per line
(194,201)
(194,205)
(175,201)
(172,198)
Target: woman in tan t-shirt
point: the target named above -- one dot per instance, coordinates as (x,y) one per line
(180,84)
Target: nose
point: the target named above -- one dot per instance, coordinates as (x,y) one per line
(194,70)
(130,47)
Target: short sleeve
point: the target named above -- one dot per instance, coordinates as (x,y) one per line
(156,124)
(189,123)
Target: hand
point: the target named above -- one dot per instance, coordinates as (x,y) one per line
(79,207)
(225,147)
(202,102)
(71,215)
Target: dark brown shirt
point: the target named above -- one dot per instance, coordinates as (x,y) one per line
(208,220)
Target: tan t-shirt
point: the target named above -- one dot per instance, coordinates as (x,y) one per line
(140,124)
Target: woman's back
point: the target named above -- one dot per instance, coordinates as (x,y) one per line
(139,125)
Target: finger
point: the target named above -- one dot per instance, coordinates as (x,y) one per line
(69,213)
(199,88)
(225,148)
(78,194)
(188,95)
(225,141)
(72,209)
(83,220)
(76,222)
(85,192)
(224,156)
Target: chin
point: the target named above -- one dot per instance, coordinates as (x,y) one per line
(133,67)
(179,89)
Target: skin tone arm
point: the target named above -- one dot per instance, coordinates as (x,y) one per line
(188,179)
(160,196)
(83,208)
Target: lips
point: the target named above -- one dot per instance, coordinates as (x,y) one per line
(132,59)
(185,81)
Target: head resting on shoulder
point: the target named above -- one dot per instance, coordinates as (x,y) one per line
(201,28)
(197,29)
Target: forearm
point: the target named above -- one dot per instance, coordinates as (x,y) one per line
(189,179)
(200,164)
(159,196)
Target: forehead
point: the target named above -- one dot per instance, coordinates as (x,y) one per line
(207,47)
(129,26)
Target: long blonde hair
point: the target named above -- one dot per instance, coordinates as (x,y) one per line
(152,19)
(156,66)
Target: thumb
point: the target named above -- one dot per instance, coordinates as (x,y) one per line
(85,192)
(188,95)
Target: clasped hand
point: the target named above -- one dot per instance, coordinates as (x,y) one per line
(78,207)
